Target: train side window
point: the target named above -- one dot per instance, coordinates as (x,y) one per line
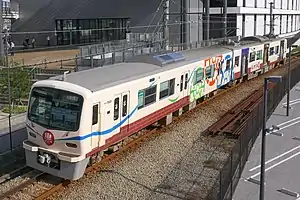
(252,56)
(181,83)
(208,72)
(271,51)
(141,99)
(116,108)
(259,55)
(124,109)
(227,65)
(171,86)
(167,88)
(186,80)
(150,95)
(198,76)
(95,114)
(237,61)
(147,96)
(276,49)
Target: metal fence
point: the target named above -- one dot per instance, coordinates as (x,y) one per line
(230,174)
(18,133)
(118,51)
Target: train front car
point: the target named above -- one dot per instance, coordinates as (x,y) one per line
(55,112)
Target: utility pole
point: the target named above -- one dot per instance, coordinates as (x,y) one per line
(8,83)
(271,20)
(225,18)
(165,22)
(207,20)
(2,54)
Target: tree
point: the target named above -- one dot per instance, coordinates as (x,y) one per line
(19,82)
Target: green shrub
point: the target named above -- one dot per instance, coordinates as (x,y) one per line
(15,109)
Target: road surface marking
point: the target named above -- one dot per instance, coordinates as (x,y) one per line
(275,158)
(291,101)
(288,121)
(275,165)
(292,124)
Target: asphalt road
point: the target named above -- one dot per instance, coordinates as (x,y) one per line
(282,157)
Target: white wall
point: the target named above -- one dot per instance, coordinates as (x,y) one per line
(250,3)
(277,25)
(260,25)
(277,4)
(289,23)
(249,25)
(260,3)
(239,3)
(283,26)
(239,24)
(284,2)
(290,5)
(268,26)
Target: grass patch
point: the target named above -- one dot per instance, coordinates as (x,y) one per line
(15,109)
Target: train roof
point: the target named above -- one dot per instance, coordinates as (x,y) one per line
(138,67)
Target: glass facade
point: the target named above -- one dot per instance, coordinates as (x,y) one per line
(80,31)
(219,3)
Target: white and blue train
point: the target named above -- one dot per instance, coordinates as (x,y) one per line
(72,119)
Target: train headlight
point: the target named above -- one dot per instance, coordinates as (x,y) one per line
(48,138)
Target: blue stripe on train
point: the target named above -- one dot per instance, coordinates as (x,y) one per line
(102,132)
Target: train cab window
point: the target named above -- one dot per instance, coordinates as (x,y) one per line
(227,65)
(116,108)
(95,114)
(181,83)
(124,108)
(252,56)
(198,76)
(259,55)
(237,61)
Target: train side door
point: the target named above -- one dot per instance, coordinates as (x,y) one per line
(183,86)
(244,61)
(95,125)
(120,111)
(124,111)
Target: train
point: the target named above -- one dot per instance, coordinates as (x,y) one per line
(74,117)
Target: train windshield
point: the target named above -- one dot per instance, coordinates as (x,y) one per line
(55,109)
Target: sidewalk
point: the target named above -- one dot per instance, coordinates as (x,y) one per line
(18,131)
(17,121)
(282,157)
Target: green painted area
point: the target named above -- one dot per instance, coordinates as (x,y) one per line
(197,90)
(173,100)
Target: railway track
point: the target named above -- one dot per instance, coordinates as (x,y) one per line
(232,121)
(37,181)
